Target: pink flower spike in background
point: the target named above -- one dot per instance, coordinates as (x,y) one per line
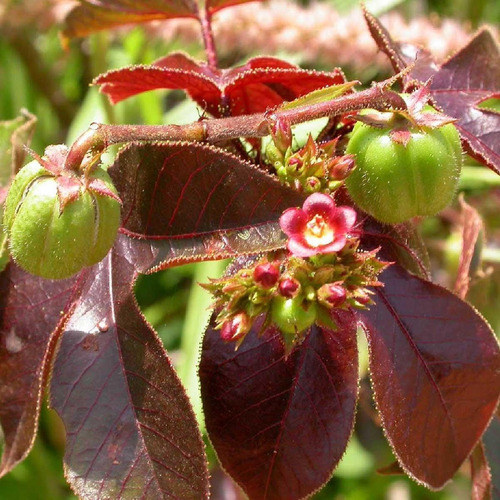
(318,227)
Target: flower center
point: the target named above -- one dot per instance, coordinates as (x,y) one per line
(318,232)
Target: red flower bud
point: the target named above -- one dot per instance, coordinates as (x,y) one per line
(235,327)
(266,275)
(281,133)
(312,185)
(289,287)
(332,295)
(362,298)
(295,166)
(341,167)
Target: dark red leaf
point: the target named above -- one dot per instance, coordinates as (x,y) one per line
(130,429)
(467,79)
(458,86)
(90,16)
(32,314)
(193,201)
(401,243)
(435,366)
(480,471)
(260,84)
(280,426)
(126,82)
(261,89)
(491,441)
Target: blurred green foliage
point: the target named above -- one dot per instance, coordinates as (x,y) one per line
(36,74)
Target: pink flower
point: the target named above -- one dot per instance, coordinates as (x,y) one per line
(318,227)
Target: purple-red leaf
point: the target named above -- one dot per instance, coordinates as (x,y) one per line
(435,367)
(280,425)
(90,16)
(465,80)
(471,228)
(130,429)
(193,201)
(32,315)
(260,84)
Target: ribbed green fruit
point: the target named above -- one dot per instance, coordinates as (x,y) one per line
(52,241)
(394,182)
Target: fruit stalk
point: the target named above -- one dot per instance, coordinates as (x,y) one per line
(99,136)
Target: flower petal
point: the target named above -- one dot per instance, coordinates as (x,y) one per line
(293,221)
(299,248)
(319,203)
(343,219)
(335,246)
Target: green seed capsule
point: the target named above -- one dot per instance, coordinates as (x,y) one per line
(55,241)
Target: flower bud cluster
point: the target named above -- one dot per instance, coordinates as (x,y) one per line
(313,168)
(294,292)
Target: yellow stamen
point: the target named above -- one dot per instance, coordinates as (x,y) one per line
(318,232)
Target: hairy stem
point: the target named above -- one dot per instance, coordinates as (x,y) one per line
(208,38)
(98,137)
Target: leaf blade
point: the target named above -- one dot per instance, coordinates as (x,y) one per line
(232,206)
(90,16)
(32,314)
(267,416)
(130,427)
(435,379)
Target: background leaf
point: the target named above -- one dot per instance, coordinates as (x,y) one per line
(14,135)
(258,85)
(94,15)
(458,87)
(279,426)
(130,428)
(491,441)
(480,472)
(435,367)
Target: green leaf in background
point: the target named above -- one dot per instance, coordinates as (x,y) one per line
(478,178)
(321,95)
(14,135)
(197,316)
